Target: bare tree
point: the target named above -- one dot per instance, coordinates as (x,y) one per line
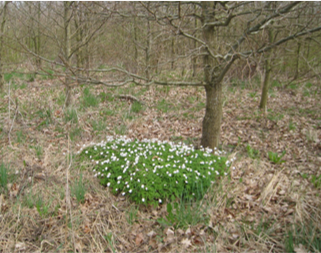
(218,58)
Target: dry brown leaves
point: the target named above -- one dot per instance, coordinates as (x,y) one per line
(259,194)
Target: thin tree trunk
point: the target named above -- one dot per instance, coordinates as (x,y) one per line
(172,53)
(67,51)
(147,55)
(3,23)
(297,63)
(266,82)
(37,40)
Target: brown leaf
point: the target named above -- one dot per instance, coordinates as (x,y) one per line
(139,239)
(300,249)
(186,243)
(153,243)
(198,240)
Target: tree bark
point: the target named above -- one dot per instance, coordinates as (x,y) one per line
(213,116)
(67,50)
(3,23)
(266,82)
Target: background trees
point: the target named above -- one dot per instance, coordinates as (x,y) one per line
(156,43)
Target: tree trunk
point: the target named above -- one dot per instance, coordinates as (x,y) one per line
(266,82)
(1,43)
(265,89)
(213,116)
(297,63)
(37,40)
(67,51)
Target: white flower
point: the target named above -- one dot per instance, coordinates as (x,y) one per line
(143,199)
(123,193)
(108,184)
(143,186)
(160,201)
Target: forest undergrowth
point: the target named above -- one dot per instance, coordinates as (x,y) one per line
(51,200)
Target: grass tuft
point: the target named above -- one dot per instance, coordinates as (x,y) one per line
(89,99)
(3,176)
(78,189)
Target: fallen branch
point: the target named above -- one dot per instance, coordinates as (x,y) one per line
(131,98)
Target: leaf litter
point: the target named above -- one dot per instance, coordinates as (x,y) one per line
(248,212)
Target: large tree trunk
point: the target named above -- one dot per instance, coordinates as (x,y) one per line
(213,116)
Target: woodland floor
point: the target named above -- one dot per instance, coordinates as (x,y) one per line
(264,207)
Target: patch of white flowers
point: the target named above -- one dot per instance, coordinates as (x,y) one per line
(135,160)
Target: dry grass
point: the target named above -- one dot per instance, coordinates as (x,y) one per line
(251,211)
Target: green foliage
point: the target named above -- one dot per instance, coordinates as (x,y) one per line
(275,157)
(109,112)
(29,200)
(253,153)
(121,130)
(78,189)
(46,115)
(276,83)
(163,106)
(136,107)
(308,235)
(61,99)
(132,215)
(3,176)
(292,125)
(308,85)
(42,207)
(20,136)
(184,214)
(47,74)
(253,94)
(106,97)
(70,115)
(152,171)
(39,151)
(89,99)
(293,86)
(109,239)
(275,116)
(11,75)
(316,181)
(98,125)
(75,133)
